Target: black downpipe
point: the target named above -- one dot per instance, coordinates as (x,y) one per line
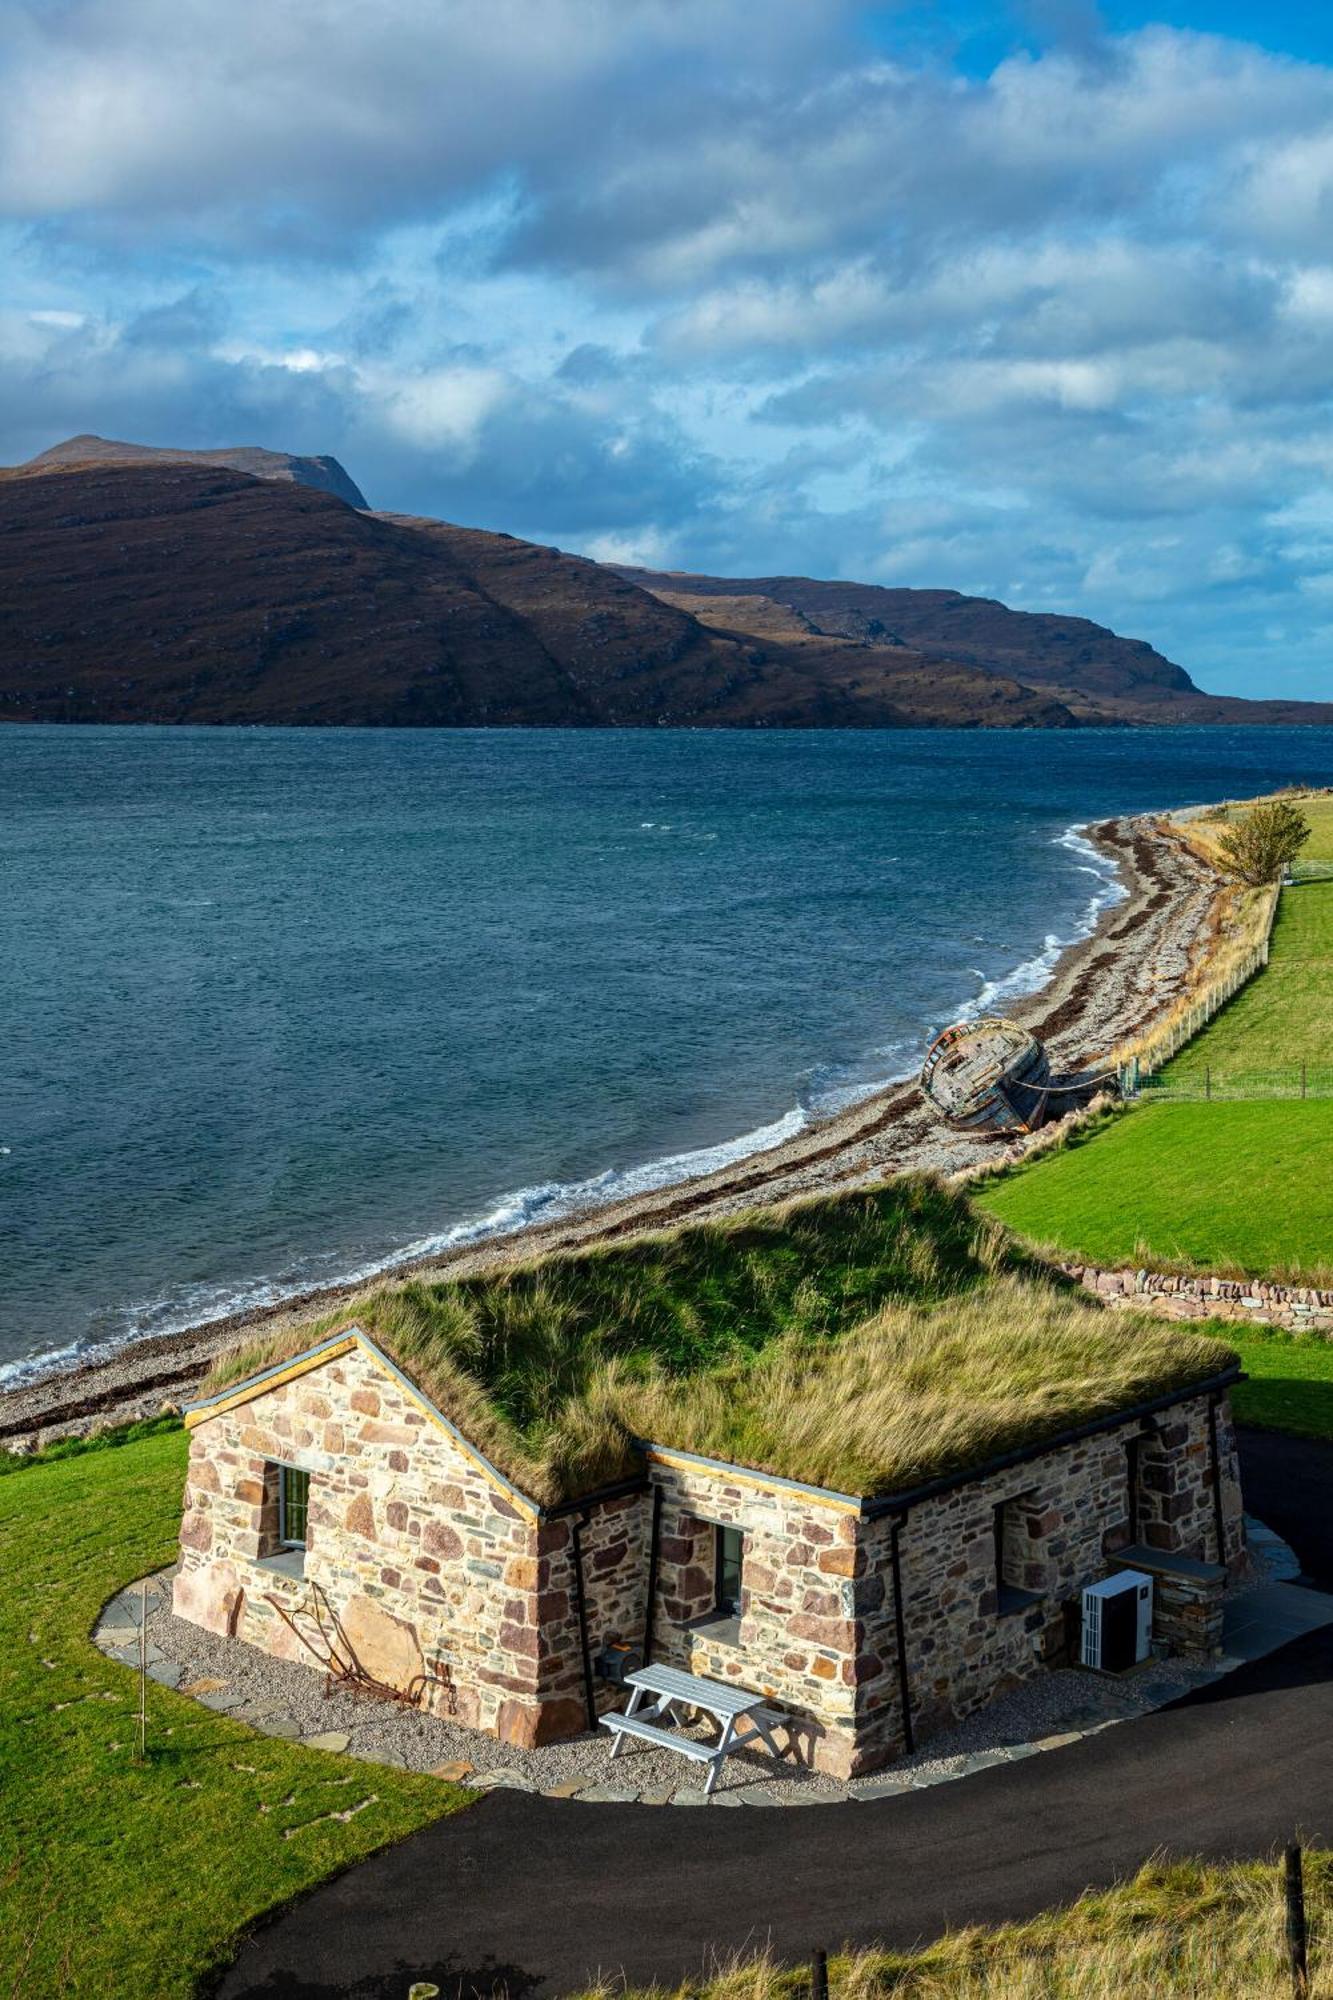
(900,1633)
(652,1576)
(577,1525)
(1219,1521)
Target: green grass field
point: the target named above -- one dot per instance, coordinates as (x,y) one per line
(118,1878)
(1284,1017)
(1211,1187)
(1290,1386)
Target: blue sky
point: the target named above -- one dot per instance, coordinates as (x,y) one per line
(1034,300)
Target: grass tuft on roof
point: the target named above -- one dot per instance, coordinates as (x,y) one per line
(861,1342)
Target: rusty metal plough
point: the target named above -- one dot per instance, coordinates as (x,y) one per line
(333,1650)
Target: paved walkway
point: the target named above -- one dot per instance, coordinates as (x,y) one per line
(539,1897)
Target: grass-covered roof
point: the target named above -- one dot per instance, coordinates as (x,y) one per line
(862,1342)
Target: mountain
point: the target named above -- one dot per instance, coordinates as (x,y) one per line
(139,585)
(324,474)
(1040,648)
(176,592)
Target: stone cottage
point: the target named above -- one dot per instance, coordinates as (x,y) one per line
(336,1510)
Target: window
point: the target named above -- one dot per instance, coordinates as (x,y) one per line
(1016,1555)
(729,1552)
(293,1506)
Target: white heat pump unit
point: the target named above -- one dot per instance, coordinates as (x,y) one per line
(1117,1621)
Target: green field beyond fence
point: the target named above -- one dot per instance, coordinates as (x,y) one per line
(1275,1038)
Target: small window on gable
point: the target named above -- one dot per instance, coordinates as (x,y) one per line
(293,1506)
(729,1546)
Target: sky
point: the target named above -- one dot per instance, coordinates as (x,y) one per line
(1032,301)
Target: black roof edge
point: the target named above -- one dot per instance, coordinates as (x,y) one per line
(899,1503)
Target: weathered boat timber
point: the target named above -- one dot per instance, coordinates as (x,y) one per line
(987,1076)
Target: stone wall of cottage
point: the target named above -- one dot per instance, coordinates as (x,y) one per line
(426,1566)
(796,1642)
(1067,1514)
(432,1573)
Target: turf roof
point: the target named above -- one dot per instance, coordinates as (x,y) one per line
(861,1342)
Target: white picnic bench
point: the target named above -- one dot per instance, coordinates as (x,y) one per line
(672,1688)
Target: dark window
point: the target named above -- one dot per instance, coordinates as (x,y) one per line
(730,1549)
(293,1506)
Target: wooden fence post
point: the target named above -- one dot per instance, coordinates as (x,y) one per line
(819,1976)
(1296,1938)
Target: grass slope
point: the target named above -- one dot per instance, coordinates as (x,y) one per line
(120,1878)
(858,1341)
(1285,1015)
(1289,1384)
(1211,1187)
(1178,1930)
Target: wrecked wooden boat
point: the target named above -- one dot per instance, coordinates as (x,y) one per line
(988,1075)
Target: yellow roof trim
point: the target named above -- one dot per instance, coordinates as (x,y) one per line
(245,1392)
(331,1350)
(688,1461)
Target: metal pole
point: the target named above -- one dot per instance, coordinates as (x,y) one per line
(819,1976)
(1296,1946)
(578,1524)
(654,1534)
(143,1671)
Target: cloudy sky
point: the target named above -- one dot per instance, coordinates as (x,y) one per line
(1034,301)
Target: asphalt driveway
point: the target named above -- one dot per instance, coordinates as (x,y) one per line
(539,1896)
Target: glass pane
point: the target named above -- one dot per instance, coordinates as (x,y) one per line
(730,1543)
(295,1503)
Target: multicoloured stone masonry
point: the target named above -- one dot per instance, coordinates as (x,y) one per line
(428,1566)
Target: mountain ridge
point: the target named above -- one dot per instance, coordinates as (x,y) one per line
(172,587)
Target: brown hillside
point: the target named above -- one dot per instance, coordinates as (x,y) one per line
(174,592)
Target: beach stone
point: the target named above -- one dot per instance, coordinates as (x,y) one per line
(456,1770)
(568,1788)
(880,1788)
(221,1701)
(203,1684)
(165,1672)
(503,1781)
(281,1725)
(724,1799)
(661,1795)
(328,1739)
(684,1798)
(760,1795)
(606,1795)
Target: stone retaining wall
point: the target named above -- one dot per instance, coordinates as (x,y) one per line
(1261,1302)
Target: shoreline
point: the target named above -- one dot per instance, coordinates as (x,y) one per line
(1101,989)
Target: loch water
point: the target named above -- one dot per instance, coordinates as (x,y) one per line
(282,1005)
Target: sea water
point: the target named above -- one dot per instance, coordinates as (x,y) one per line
(281,1006)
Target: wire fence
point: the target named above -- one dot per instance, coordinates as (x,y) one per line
(1209,1082)
(1141,1070)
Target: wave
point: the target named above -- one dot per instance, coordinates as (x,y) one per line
(826,1092)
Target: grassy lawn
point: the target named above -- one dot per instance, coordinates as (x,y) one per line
(117,1878)
(1291,1380)
(1178,1930)
(1213,1187)
(1285,1015)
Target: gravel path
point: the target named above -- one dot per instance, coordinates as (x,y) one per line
(280,1698)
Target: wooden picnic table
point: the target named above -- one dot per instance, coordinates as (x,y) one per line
(672,1688)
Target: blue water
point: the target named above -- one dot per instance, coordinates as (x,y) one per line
(282,1004)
